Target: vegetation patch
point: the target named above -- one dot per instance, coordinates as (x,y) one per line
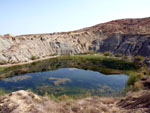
(2,62)
(58,81)
(34,57)
(107,54)
(3,92)
(17,78)
(96,62)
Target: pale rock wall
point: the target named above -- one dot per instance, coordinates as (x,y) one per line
(126,36)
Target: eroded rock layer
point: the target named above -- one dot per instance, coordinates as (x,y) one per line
(126,36)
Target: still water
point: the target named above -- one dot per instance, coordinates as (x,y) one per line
(69,81)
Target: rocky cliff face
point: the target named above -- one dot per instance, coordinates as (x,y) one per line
(126,36)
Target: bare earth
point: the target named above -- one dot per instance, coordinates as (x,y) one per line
(28,102)
(10,65)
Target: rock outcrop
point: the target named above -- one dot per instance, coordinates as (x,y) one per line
(28,102)
(126,36)
(137,101)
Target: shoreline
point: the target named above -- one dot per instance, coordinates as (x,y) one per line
(23,63)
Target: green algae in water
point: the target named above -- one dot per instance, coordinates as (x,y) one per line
(58,81)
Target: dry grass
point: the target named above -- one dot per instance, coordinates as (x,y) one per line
(27,102)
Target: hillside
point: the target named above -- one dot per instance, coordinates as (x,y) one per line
(30,102)
(125,36)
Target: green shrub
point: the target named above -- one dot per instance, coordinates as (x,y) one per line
(91,52)
(114,63)
(34,57)
(132,79)
(107,53)
(2,92)
(35,36)
(88,52)
(118,55)
(3,62)
(139,58)
(125,57)
(53,54)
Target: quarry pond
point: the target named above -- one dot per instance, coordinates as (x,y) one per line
(67,81)
(73,76)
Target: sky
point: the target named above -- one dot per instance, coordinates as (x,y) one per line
(47,16)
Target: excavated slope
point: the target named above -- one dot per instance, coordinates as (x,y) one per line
(126,36)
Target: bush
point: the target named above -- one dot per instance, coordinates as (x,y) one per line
(34,57)
(118,55)
(89,52)
(139,58)
(114,63)
(35,36)
(53,54)
(125,57)
(3,62)
(2,92)
(132,79)
(107,54)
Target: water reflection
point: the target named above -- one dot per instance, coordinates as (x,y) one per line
(69,81)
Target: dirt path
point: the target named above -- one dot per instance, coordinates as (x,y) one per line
(10,65)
